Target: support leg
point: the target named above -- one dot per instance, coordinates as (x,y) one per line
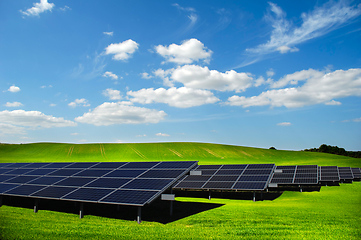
(254,196)
(209,196)
(139,215)
(36,206)
(81,211)
(300,189)
(118,208)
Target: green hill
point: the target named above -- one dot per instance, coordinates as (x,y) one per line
(205,153)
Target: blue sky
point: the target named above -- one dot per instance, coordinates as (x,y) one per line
(264,73)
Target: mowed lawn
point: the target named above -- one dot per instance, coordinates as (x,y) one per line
(332,213)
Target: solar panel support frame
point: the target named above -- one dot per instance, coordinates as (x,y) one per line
(36,206)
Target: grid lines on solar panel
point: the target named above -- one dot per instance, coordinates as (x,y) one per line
(148,184)
(53,192)
(162,174)
(257,172)
(4,164)
(19,171)
(208,167)
(108,165)
(125,173)
(74,181)
(7,186)
(92,173)
(41,171)
(17,165)
(129,197)
(88,194)
(108,182)
(45,180)
(81,165)
(4,170)
(286,167)
(21,179)
(218,185)
(190,185)
(140,165)
(57,165)
(234,166)
(65,172)
(35,165)
(24,190)
(207,172)
(170,165)
(260,166)
(4,178)
(253,178)
(250,185)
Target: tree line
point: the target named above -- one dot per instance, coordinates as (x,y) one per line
(335,150)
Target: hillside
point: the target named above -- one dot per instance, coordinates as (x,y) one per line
(205,153)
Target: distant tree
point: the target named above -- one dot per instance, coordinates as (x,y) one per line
(273,148)
(335,150)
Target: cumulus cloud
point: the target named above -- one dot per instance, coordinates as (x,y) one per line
(333,103)
(110,75)
(33,119)
(284,124)
(38,8)
(110,113)
(188,52)
(10,129)
(316,90)
(122,51)
(146,75)
(13,104)
(164,74)
(294,78)
(112,94)
(286,49)
(79,102)
(197,77)
(14,89)
(162,135)
(176,97)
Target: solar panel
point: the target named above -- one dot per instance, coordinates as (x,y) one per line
(300,174)
(345,173)
(356,172)
(329,174)
(92,181)
(252,177)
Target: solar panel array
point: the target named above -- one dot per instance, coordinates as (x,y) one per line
(329,174)
(356,172)
(301,174)
(345,173)
(124,183)
(247,177)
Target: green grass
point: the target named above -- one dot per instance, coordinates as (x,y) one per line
(332,213)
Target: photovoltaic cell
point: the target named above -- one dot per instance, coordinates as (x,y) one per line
(170,165)
(108,182)
(19,171)
(57,165)
(3,178)
(17,165)
(257,172)
(88,194)
(75,181)
(125,173)
(250,185)
(92,173)
(7,186)
(108,165)
(218,185)
(257,178)
(260,166)
(81,165)
(35,165)
(40,171)
(24,190)
(208,167)
(46,180)
(229,172)
(4,164)
(53,192)
(282,180)
(140,165)
(21,179)
(129,197)
(234,166)
(152,184)
(224,178)
(162,174)
(190,185)
(65,172)
(197,178)
(207,172)
(4,170)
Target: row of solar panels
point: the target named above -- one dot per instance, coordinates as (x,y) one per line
(139,183)
(126,183)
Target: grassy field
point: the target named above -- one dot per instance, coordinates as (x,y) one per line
(332,213)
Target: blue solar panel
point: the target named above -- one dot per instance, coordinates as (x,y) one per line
(257,172)
(24,190)
(229,172)
(224,178)
(108,165)
(54,192)
(21,179)
(74,181)
(234,166)
(190,185)
(88,194)
(152,184)
(46,180)
(162,174)
(92,173)
(4,164)
(208,167)
(140,165)
(7,186)
(125,173)
(57,165)
(169,165)
(17,165)
(4,170)
(250,185)
(129,197)
(3,178)
(218,185)
(65,172)
(260,166)
(35,165)
(109,182)
(251,178)
(40,171)
(19,171)
(81,165)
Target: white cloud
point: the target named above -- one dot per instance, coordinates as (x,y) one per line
(122,51)
(316,90)
(357,120)
(10,129)
(164,75)
(176,97)
(74,134)
(144,135)
(333,102)
(318,22)
(286,49)
(112,94)
(14,89)
(108,33)
(119,113)
(52,105)
(284,124)
(270,73)
(38,8)
(162,135)
(79,102)
(65,8)
(33,119)
(13,104)
(198,77)
(294,78)
(110,75)
(146,75)
(188,9)
(189,51)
